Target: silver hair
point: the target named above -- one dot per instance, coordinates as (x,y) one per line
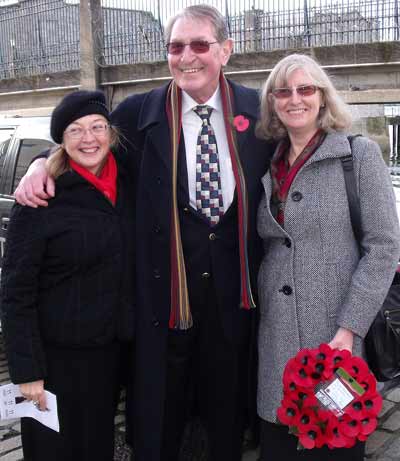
(201,13)
(334,114)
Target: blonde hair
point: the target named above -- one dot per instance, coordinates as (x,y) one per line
(334,115)
(58,163)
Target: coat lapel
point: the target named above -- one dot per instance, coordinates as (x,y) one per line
(153,120)
(267,184)
(245,104)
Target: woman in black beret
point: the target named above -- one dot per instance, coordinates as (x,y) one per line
(68,285)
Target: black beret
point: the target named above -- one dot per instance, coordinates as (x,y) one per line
(73,106)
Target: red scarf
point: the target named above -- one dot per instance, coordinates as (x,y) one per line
(106,182)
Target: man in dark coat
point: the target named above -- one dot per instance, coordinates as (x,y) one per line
(192,146)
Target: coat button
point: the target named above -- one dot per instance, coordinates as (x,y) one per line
(205,275)
(297,196)
(157,229)
(286,290)
(156,274)
(186,209)
(158,180)
(287,242)
(212,236)
(156,322)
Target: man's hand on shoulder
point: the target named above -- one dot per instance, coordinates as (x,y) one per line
(36,187)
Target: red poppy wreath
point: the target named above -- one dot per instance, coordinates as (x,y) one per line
(329,398)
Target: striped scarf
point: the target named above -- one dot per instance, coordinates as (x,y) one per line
(180,316)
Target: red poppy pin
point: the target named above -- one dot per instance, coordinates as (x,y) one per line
(241,123)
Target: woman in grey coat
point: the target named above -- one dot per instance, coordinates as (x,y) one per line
(314,286)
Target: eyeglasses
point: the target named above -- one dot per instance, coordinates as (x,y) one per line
(302,90)
(77,132)
(197,46)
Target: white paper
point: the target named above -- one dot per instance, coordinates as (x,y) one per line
(338,392)
(13,405)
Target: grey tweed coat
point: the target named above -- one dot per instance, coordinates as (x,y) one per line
(311,279)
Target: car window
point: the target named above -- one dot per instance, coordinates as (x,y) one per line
(28,149)
(5,134)
(3,151)
(5,137)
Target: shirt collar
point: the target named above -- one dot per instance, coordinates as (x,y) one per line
(188,103)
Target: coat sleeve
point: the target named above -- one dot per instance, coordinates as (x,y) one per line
(25,248)
(380,243)
(125,119)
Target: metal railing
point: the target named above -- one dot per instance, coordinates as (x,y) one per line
(42,36)
(38,37)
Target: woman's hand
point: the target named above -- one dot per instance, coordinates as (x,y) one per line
(36,187)
(343,339)
(34,392)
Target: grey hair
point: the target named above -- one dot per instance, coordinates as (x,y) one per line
(334,115)
(202,13)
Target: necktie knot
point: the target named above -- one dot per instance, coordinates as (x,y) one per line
(204,112)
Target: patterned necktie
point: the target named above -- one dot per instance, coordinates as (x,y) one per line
(208,181)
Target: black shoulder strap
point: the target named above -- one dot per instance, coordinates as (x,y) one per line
(352,196)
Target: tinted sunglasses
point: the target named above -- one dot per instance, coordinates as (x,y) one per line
(197,46)
(302,90)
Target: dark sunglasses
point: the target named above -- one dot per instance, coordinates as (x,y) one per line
(303,90)
(197,46)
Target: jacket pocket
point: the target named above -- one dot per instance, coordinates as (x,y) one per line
(337,283)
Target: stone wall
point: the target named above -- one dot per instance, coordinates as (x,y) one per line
(367,75)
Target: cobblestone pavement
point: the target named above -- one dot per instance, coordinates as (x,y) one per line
(383,444)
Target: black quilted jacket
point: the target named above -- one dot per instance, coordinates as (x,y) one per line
(68,274)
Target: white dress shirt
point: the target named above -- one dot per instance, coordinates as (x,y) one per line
(191,125)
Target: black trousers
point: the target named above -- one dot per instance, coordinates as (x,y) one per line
(86,383)
(207,375)
(278,444)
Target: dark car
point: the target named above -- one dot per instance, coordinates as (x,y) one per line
(21,139)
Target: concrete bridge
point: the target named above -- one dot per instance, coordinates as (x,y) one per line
(367,76)
(364,74)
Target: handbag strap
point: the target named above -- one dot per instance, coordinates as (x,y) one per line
(351,190)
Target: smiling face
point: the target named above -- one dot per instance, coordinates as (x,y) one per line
(299,114)
(198,74)
(90,150)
